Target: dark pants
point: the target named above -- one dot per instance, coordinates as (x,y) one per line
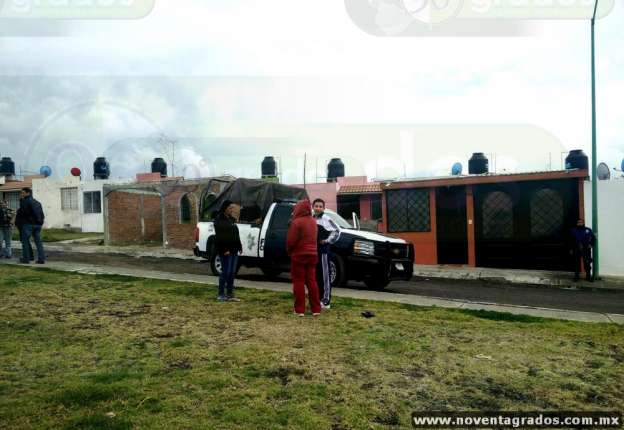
(229,264)
(324,277)
(27,231)
(303,272)
(585,254)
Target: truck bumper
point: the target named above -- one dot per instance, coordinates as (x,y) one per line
(394,269)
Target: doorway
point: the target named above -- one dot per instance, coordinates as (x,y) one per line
(452,232)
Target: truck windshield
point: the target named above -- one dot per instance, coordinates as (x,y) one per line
(342,223)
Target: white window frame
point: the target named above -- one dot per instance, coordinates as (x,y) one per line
(89,209)
(69,199)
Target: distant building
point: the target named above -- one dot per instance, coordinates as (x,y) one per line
(72,203)
(10,189)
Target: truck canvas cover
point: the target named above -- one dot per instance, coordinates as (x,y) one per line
(253,195)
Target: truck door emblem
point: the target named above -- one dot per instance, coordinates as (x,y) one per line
(251,241)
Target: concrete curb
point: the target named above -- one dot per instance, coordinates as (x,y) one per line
(339,292)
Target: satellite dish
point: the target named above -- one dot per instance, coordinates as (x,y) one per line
(75,171)
(45,171)
(457,169)
(604,173)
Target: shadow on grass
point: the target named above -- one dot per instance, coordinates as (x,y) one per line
(89,394)
(501,316)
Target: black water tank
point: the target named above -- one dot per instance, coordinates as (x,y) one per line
(335,170)
(7,167)
(478,164)
(159,166)
(269,167)
(577,159)
(101,168)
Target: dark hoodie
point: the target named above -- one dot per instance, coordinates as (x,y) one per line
(227,238)
(302,233)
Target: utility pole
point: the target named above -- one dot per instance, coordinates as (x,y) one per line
(594,178)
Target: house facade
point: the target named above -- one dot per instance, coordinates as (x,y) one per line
(491,220)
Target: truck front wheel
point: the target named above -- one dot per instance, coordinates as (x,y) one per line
(378,281)
(337,271)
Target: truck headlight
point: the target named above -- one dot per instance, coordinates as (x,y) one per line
(363,247)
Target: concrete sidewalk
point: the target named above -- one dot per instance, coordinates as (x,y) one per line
(515,276)
(339,292)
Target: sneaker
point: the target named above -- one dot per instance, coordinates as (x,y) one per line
(315,314)
(325,306)
(233,299)
(299,315)
(221,298)
(40,262)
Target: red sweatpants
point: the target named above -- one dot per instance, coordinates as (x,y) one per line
(303,272)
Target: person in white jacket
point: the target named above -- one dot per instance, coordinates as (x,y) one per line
(328,234)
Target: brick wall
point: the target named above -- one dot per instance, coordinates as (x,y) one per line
(134,219)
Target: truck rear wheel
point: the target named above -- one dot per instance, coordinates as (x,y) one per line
(215,264)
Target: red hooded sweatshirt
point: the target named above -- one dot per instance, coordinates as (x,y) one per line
(302,232)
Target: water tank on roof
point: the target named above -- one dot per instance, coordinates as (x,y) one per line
(7,167)
(577,159)
(159,166)
(101,168)
(269,167)
(478,164)
(335,170)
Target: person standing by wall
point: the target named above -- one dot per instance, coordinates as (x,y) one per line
(584,240)
(33,218)
(6,229)
(328,234)
(301,246)
(227,246)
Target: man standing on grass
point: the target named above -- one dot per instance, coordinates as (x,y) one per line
(328,234)
(302,249)
(6,229)
(33,219)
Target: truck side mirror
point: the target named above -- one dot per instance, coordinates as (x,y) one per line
(356,221)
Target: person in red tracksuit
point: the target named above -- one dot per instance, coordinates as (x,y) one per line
(301,247)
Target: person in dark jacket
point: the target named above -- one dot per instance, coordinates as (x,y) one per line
(227,246)
(301,246)
(33,219)
(583,244)
(20,221)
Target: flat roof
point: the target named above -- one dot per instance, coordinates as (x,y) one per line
(486,178)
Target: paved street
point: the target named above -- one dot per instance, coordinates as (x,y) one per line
(603,301)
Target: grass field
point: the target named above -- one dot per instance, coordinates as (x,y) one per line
(58,235)
(107,352)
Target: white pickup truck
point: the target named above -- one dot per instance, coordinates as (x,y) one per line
(358,255)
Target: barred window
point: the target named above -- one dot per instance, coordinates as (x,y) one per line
(69,199)
(185,210)
(92,202)
(546,213)
(13,199)
(498,217)
(408,210)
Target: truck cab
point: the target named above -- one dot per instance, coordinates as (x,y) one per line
(372,258)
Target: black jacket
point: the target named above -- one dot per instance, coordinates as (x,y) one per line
(227,238)
(32,212)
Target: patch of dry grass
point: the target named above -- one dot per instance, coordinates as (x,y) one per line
(155,354)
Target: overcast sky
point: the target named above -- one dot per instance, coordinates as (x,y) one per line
(232,81)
